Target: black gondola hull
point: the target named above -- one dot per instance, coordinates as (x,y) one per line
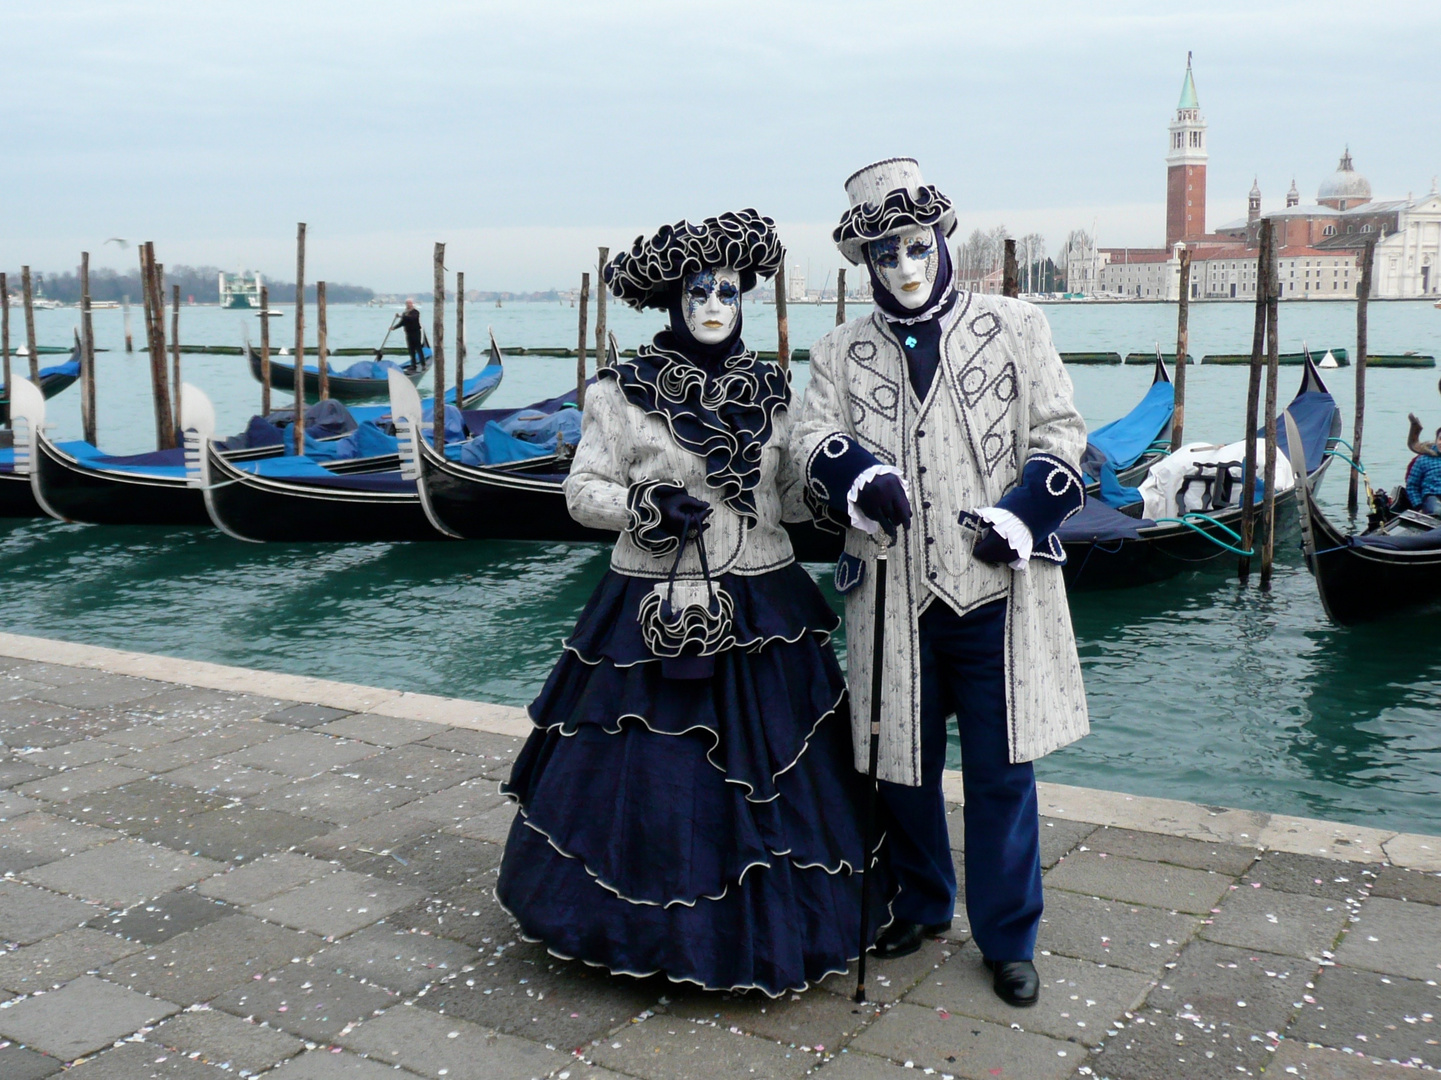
(282,377)
(17,497)
(1359,583)
(71,491)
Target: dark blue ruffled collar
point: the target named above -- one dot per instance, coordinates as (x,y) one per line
(723,412)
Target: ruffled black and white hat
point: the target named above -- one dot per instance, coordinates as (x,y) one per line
(743,240)
(888,198)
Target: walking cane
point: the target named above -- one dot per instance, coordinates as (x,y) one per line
(877,657)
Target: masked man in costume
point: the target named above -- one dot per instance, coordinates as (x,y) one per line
(945,420)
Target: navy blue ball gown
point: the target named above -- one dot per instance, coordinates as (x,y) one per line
(708,829)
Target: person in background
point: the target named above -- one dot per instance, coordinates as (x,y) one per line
(409,321)
(1423,475)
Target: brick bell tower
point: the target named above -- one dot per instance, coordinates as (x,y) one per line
(1186,167)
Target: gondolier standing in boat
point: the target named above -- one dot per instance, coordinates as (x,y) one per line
(687,802)
(409,321)
(946,417)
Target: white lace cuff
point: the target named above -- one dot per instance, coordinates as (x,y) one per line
(858,519)
(1013,531)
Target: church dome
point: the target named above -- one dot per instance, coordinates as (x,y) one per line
(1345,186)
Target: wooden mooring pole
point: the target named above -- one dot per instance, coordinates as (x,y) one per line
(299,436)
(783,322)
(1183,348)
(322,341)
(264,350)
(580,343)
(5,344)
(1253,395)
(841,296)
(460,339)
(87,354)
(129,338)
(151,276)
(600,296)
(1363,299)
(1010,281)
(437,346)
(175,356)
(1273,355)
(28,299)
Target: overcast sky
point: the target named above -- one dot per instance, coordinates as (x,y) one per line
(525,133)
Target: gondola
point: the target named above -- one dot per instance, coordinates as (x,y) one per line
(1130,445)
(53,380)
(1108,548)
(1391,569)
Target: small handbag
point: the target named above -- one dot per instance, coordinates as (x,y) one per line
(686,623)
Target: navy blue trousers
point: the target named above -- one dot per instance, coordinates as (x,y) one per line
(963,672)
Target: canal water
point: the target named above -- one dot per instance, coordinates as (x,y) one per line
(1198,689)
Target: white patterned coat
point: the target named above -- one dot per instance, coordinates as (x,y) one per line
(999,397)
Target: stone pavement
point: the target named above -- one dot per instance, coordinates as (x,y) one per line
(212,872)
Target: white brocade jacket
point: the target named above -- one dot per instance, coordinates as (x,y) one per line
(1000,397)
(625,448)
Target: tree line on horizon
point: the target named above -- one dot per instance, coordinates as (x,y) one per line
(200,284)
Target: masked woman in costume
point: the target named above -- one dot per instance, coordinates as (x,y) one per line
(688,804)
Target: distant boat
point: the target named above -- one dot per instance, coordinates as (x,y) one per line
(239,292)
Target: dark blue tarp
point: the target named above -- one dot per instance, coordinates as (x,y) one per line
(1098,522)
(1414,541)
(1313,413)
(155,463)
(1113,492)
(488,376)
(1122,442)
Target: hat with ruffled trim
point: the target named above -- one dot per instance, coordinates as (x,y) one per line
(888,198)
(646,275)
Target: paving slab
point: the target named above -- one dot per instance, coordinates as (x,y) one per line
(140,736)
(1144,813)
(1415,852)
(1228,859)
(1311,875)
(72,755)
(17,768)
(1333,840)
(1382,1016)
(1060,837)
(324,1065)
(28,914)
(100,691)
(199,965)
(32,839)
(41,732)
(48,1022)
(498,751)
(56,960)
(18,1063)
(192,706)
(438,864)
(471,916)
(334,799)
(1174,888)
(379,730)
(301,754)
(1277,922)
(122,873)
(854,1065)
(433,1045)
(459,803)
(398,960)
(361,841)
(142,808)
(224,1040)
(195,748)
(1297,1059)
(144,1061)
(889,980)
(1219,984)
(419,768)
(241,832)
(1394,938)
(265,877)
(519,989)
(1414,886)
(1110,932)
(1158,1047)
(50,674)
(336,904)
(307,1001)
(232,781)
(13,686)
(667,1048)
(493,825)
(814,1023)
(965,1047)
(305,716)
(163,918)
(80,782)
(1078,999)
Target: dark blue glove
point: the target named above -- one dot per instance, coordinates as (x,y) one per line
(992,547)
(884,501)
(680,512)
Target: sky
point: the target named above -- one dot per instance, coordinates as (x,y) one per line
(524,134)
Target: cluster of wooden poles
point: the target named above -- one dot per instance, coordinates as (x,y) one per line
(87,341)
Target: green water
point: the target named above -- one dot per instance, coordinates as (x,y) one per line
(1198,689)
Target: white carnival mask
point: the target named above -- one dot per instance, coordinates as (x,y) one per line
(907,265)
(711,304)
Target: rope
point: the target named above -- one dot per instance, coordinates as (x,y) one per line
(1186,521)
(1338,441)
(1354,464)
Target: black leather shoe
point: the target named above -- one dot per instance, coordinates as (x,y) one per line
(1015,981)
(902,938)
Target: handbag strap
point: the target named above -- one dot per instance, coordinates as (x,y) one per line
(692,531)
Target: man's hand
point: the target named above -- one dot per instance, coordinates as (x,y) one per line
(884,501)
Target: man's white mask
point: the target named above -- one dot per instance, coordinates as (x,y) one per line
(907,265)
(711,304)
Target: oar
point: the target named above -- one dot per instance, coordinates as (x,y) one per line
(877,660)
(393,324)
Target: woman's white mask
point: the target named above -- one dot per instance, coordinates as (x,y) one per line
(907,265)
(711,304)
